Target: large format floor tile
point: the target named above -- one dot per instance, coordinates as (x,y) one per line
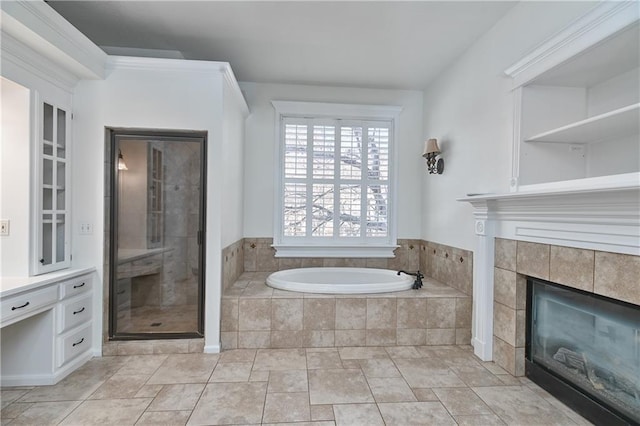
(338,386)
(403,385)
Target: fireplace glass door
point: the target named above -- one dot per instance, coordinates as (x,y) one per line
(591,342)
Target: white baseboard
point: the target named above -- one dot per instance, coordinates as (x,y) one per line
(212,349)
(47,378)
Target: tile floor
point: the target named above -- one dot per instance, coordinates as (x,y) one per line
(397,385)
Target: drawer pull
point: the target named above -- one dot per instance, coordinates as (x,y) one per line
(13,308)
(78,342)
(120,292)
(77,312)
(78,286)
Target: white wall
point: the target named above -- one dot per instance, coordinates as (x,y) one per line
(15,145)
(151,97)
(469,108)
(233,160)
(261,149)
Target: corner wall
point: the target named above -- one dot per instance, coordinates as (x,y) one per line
(469,109)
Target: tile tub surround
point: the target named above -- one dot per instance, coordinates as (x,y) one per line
(232,263)
(259,256)
(449,265)
(608,274)
(257,316)
(436,385)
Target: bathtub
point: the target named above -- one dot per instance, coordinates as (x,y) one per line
(340,280)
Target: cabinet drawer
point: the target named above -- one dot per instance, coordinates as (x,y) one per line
(73,344)
(74,312)
(75,286)
(22,305)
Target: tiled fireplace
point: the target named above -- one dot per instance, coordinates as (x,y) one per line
(608,274)
(585,241)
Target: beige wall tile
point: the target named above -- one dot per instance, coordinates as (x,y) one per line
(135,348)
(441,312)
(286,314)
(377,263)
(533,259)
(618,276)
(441,336)
(464,307)
(381,337)
(505,254)
(381,313)
(410,336)
(254,314)
(265,259)
(171,347)
(254,339)
(228,340)
(289,263)
(229,314)
(318,338)
(351,314)
(412,313)
(509,288)
(196,346)
(572,267)
(311,262)
(320,314)
(504,355)
(350,338)
(504,323)
(463,336)
(286,339)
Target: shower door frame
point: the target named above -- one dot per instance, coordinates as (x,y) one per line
(113,134)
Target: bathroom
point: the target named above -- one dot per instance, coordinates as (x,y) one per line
(467,106)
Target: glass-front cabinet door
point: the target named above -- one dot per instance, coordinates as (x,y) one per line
(52,251)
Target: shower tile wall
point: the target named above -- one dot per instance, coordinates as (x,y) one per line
(181,188)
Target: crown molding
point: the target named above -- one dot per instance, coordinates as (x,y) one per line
(16,53)
(38,26)
(600,22)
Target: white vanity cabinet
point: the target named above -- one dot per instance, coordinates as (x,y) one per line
(46,326)
(577,112)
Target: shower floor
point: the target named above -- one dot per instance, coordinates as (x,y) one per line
(159,319)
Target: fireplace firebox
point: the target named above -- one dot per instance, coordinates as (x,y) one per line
(585,350)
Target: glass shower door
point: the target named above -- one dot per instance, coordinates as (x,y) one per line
(156,252)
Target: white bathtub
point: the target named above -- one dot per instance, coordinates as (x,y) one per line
(340,280)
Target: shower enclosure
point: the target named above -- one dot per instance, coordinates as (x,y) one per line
(157,223)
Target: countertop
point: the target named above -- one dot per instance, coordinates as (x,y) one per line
(14,285)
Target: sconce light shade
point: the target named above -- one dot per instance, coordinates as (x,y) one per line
(121,164)
(431,147)
(431,151)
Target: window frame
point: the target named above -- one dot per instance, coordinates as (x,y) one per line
(334,246)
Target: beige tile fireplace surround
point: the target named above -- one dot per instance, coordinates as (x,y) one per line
(613,275)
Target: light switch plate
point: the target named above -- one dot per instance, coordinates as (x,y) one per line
(4,227)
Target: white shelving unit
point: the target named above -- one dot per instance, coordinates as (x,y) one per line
(577,112)
(615,124)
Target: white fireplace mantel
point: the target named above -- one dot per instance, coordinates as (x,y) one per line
(605,218)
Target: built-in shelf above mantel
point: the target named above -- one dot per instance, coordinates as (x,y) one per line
(610,125)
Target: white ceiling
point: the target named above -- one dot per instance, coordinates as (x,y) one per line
(393,44)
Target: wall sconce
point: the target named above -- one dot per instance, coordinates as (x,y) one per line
(121,164)
(431,151)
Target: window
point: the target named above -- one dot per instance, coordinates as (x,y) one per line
(335,193)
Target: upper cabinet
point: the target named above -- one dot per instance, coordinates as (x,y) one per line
(577,112)
(52,229)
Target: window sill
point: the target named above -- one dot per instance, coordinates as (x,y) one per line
(378,251)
